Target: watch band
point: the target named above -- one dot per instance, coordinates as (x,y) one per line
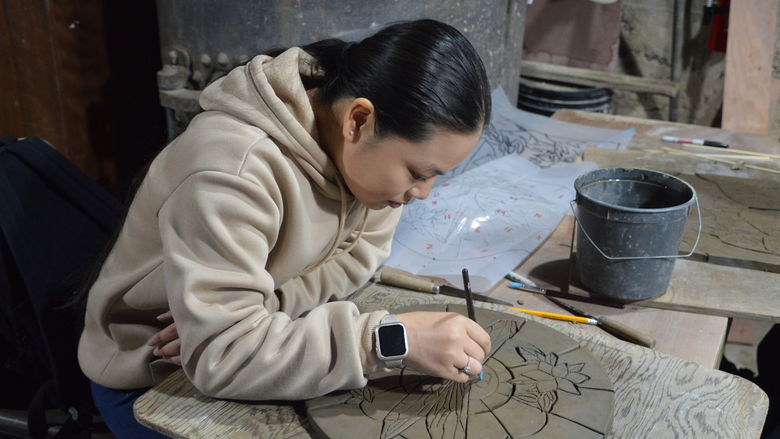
(390,318)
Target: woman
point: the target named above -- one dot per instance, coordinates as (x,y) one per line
(276,202)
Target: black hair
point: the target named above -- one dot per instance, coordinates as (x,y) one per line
(420,75)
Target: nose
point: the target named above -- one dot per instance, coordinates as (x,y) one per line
(421,190)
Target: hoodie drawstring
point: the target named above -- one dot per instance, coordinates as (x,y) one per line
(342,221)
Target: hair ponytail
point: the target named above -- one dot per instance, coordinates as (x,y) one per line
(420,75)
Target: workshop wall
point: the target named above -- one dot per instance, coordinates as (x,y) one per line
(646,50)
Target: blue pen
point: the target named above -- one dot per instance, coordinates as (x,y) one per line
(523,287)
(514,277)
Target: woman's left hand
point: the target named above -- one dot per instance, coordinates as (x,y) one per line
(166,342)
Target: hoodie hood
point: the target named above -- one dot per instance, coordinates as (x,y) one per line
(268,93)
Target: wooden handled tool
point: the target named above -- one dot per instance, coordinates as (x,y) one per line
(402,279)
(610,325)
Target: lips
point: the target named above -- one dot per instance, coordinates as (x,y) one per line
(394,204)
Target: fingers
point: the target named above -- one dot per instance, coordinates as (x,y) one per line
(480,336)
(166,335)
(474,350)
(166,316)
(470,368)
(166,342)
(170,350)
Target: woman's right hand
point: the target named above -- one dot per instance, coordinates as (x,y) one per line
(441,344)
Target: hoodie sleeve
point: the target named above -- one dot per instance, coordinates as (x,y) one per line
(343,275)
(217,230)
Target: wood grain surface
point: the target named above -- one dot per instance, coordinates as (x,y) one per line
(649,131)
(594,78)
(747,96)
(656,395)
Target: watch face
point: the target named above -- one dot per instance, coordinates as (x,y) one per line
(392,341)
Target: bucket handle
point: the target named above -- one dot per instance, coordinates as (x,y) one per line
(624,258)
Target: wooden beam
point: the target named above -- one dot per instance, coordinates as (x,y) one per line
(747,93)
(594,78)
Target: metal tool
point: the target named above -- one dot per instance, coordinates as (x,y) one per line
(402,279)
(470,305)
(549,292)
(613,327)
(469,295)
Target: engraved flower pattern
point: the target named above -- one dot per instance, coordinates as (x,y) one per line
(522,381)
(543,375)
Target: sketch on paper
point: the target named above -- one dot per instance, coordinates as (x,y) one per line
(541,140)
(487,219)
(497,206)
(493,216)
(518,397)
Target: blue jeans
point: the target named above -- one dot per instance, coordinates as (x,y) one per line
(116,407)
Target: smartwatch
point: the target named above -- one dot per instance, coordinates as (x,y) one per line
(391,341)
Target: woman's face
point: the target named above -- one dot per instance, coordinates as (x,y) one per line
(391,171)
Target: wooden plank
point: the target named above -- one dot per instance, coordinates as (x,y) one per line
(594,78)
(10,110)
(37,86)
(747,97)
(81,57)
(649,131)
(695,287)
(55,82)
(656,395)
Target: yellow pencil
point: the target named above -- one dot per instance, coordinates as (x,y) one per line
(552,315)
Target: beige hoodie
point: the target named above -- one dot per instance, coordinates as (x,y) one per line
(232,229)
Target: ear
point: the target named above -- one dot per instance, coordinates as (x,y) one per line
(359,120)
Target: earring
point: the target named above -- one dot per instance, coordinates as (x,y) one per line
(351,132)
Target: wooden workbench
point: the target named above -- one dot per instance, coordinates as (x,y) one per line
(649,131)
(656,395)
(671,391)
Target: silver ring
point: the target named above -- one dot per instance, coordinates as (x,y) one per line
(467,367)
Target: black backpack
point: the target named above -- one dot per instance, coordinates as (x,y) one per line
(55,224)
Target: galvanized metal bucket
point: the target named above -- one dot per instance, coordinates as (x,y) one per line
(629,226)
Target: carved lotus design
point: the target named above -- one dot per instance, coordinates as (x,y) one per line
(542,376)
(524,385)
